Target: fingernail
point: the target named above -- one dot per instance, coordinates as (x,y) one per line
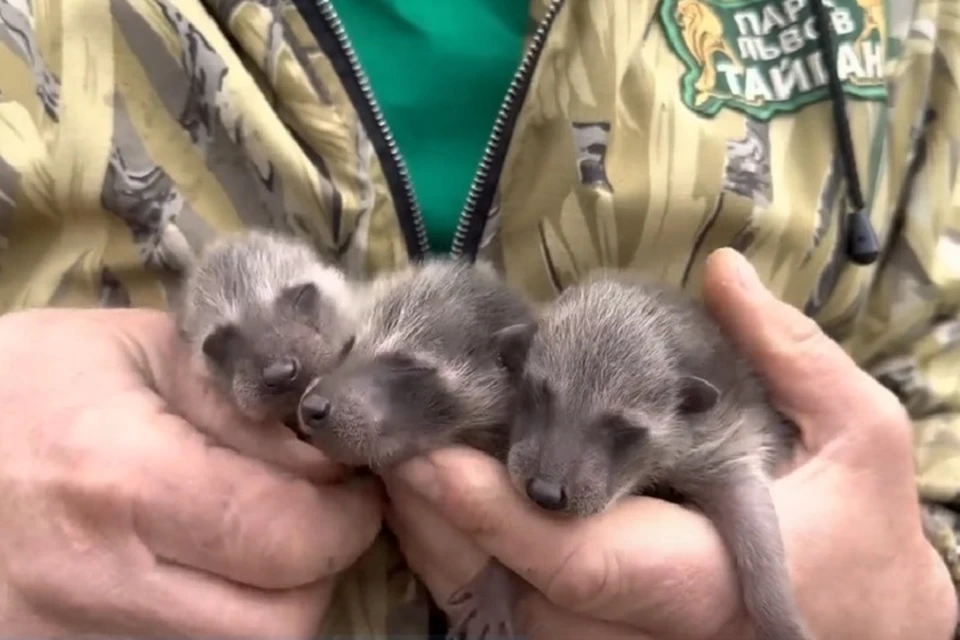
(421,476)
(747,275)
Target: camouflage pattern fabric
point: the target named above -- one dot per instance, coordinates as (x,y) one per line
(653,131)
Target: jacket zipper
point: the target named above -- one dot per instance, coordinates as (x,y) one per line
(473,216)
(408,209)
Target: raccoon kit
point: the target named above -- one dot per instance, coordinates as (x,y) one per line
(425,372)
(628,388)
(266,317)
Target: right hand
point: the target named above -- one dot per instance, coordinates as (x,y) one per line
(121,515)
(647,569)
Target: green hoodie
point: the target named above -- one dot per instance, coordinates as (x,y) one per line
(438,71)
(635,133)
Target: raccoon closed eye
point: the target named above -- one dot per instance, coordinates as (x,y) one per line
(622,432)
(222,344)
(535,398)
(404,363)
(347,347)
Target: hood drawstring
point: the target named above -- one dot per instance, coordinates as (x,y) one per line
(862,245)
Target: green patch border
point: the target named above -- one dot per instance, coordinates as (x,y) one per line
(716,105)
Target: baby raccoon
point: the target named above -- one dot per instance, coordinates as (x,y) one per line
(628,388)
(424,372)
(424,369)
(266,317)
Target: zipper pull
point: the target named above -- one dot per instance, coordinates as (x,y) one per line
(863,247)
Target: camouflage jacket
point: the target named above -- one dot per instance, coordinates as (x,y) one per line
(637,133)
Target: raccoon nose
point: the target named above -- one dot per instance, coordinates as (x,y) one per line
(548,495)
(314,410)
(277,375)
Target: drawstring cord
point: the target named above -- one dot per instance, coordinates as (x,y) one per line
(862,245)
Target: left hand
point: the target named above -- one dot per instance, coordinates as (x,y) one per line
(648,569)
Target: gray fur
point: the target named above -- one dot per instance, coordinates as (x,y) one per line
(629,388)
(425,373)
(254,301)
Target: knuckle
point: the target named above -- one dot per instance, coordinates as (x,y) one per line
(293,552)
(803,332)
(292,564)
(473,503)
(801,343)
(889,427)
(297,552)
(305,561)
(586,576)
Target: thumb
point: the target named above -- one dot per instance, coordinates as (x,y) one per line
(810,377)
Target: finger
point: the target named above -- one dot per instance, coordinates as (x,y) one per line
(672,571)
(440,554)
(272,443)
(542,619)
(19,621)
(445,559)
(162,599)
(809,375)
(195,399)
(191,604)
(213,509)
(167,364)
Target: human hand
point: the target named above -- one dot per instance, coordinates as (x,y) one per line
(120,517)
(847,506)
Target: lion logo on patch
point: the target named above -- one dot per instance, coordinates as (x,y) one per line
(763,57)
(702,32)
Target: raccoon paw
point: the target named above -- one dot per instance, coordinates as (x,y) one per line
(482,609)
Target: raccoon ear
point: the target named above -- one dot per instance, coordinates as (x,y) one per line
(513,345)
(220,343)
(697,395)
(303,298)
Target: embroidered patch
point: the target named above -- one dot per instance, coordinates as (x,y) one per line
(763,57)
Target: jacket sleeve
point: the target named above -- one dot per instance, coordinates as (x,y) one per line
(98,180)
(55,235)
(909,334)
(927,378)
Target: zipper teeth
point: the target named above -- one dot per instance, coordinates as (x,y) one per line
(486,160)
(330,15)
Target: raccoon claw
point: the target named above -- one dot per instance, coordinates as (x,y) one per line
(482,609)
(459,597)
(472,623)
